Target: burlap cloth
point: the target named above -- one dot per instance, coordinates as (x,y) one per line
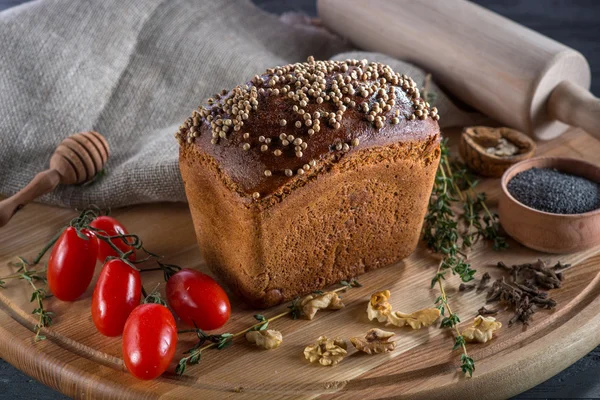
(134,70)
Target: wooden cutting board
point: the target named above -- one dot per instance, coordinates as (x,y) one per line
(78,361)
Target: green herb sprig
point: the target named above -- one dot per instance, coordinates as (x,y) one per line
(38,295)
(224,340)
(451,235)
(451,320)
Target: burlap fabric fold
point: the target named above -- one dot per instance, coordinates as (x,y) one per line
(134,70)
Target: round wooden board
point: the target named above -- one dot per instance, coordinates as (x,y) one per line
(78,361)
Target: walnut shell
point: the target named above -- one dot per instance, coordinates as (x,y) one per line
(475,141)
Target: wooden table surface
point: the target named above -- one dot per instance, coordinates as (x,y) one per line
(575,23)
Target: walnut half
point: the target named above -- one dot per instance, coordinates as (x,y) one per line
(415,320)
(482,330)
(379,308)
(267,339)
(326,351)
(315,302)
(375,341)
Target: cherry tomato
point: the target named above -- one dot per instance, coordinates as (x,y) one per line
(149,341)
(117,294)
(198,299)
(71,264)
(110,227)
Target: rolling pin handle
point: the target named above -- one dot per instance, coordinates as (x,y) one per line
(42,183)
(575,106)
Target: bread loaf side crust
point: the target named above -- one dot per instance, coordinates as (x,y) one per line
(363,213)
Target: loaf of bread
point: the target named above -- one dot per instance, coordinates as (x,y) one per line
(309,174)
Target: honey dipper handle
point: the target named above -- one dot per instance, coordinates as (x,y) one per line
(42,183)
(575,106)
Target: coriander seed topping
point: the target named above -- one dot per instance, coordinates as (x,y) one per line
(311,94)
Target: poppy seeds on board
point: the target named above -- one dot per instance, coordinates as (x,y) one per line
(552,191)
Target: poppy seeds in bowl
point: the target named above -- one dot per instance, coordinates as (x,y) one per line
(553,191)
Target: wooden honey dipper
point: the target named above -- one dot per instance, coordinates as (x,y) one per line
(77,159)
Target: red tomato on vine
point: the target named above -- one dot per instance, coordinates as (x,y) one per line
(116,295)
(149,341)
(198,299)
(109,226)
(72,263)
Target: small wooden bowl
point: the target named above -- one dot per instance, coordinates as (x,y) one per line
(475,140)
(543,231)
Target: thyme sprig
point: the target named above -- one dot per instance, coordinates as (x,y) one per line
(451,235)
(38,295)
(224,340)
(451,320)
(32,276)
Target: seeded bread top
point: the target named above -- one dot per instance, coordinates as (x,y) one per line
(284,124)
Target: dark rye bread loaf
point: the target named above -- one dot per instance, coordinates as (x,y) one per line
(309,174)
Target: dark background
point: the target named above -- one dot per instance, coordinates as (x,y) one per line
(575,23)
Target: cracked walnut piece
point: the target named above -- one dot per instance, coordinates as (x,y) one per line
(315,302)
(326,351)
(482,330)
(379,308)
(415,320)
(267,339)
(375,341)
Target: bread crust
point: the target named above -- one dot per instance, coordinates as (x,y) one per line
(361,214)
(272,237)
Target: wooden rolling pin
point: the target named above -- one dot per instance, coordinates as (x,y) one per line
(511,73)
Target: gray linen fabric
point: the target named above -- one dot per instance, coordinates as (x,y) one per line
(133,70)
